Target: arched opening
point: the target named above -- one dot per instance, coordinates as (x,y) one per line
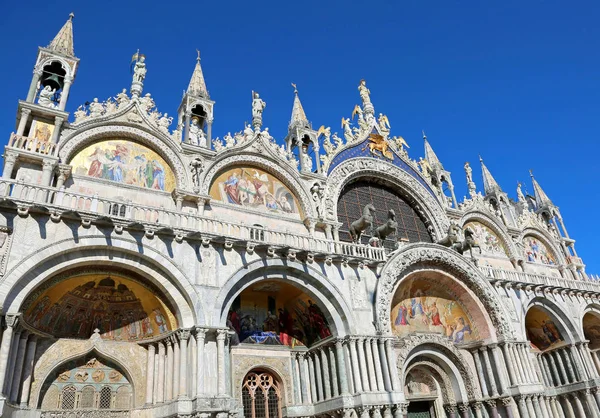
(543,330)
(87,383)
(536,251)
(384,197)
(51,84)
(121,305)
(274,312)
(591,329)
(261,395)
(423,388)
(434,302)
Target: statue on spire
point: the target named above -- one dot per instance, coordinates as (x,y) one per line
(139,73)
(258,107)
(364,93)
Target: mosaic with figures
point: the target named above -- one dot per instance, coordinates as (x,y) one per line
(487,239)
(537,252)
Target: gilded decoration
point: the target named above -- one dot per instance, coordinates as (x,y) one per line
(122,309)
(124,162)
(537,252)
(253,187)
(41,131)
(591,329)
(422,305)
(487,239)
(542,331)
(277,313)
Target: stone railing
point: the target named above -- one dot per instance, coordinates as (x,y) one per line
(83,413)
(180,223)
(538,279)
(32,144)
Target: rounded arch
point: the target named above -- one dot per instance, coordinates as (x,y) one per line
(68,67)
(299,275)
(546,239)
(24,278)
(421,256)
(590,325)
(88,134)
(282,172)
(436,373)
(425,203)
(496,227)
(564,325)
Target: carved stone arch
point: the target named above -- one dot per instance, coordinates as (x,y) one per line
(59,354)
(444,353)
(564,323)
(275,367)
(25,278)
(592,308)
(547,239)
(435,370)
(283,173)
(498,228)
(68,67)
(81,138)
(423,256)
(303,276)
(428,205)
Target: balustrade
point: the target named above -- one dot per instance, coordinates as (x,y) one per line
(44,147)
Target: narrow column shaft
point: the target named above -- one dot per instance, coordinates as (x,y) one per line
(384,365)
(591,404)
(176,367)
(19,360)
(564,353)
(33,86)
(23,121)
(183,362)
(500,368)
(377,362)
(550,358)
(304,383)
(479,368)
(568,407)
(160,390)
(523,408)
(391,358)
(530,408)
(561,367)
(150,373)
(4,352)
(200,338)
(489,371)
(519,364)
(325,368)
(313,383)
(370,365)
(354,362)
(341,367)
(28,370)
(510,365)
(296,379)
(335,390)
(360,344)
(524,350)
(318,375)
(65,93)
(169,379)
(539,406)
(579,406)
(221,334)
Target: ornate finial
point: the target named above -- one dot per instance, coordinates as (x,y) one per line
(71,16)
(480,159)
(531,173)
(424,136)
(295,88)
(198,58)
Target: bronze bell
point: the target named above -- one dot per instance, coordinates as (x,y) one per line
(54,81)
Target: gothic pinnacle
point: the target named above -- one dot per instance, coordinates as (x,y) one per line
(63,41)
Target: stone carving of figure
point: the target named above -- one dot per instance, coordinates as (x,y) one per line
(80,114)
(520,195)
(176,135)
(384,123)
(317,195)
(306,160)
(229,141)
(364,92)
(147,102)
(347,130)
(111,106)
(248,133)
(139,71)
(96,108)
(122,99)
(218,145)
(46,97)
(339,143)
(164,122)
(196,165)
(195,130)
(258,106)
(469,172)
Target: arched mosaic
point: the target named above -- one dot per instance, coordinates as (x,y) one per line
(422,305)
(121,308)
(537,252)
(542,331)
(487,239)
(254,188)
(591,329)
(126,162)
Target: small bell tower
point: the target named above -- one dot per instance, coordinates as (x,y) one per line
(496,196)
(303,138)
(196,110)
(438,175)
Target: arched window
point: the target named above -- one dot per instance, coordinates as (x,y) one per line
(105,398)
(68,397)
(87,397)
(261,396)
(257,233)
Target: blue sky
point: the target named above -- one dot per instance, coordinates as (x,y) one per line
(515,81)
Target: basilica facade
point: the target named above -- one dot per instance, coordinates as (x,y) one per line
(149,268)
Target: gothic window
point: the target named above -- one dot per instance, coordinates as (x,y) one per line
(261,396)
(357,195)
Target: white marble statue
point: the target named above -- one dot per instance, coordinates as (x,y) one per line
(364,92)
(122,99)
(196,132)
(248,133)
(164,122)
(46,97)
(520,195)
(110,105)
(306,160)
(469,172)
(80,114)
(266,135)
(339,142)
(258,106)
(347,130)
(218,145)
(147,102)
(229,140)
(384,123)
(139,71)
(96,108)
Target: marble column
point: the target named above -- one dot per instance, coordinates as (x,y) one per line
(184,336)
(546,368)
(193,359)
(523,408)
(371,365)
(341,367)
(479,368)
(304,383)
(335,391)
(591,361)
(33,87)
(591,404)
(524,350)
(545,380)
(377,362)
(200,337)
(510,365)
(28,370)
(391,358)
(23,121)
(10,158)
(451,410)
(596,360)
(530,408)
(170,364)
(507,403)
(176,367)
(538,407)
(550,358)
(384,365)
(493,408)
(160,395)
(325,367)
(587,360)
(490,372)
(318,375)
(150,373)
(517,361)
(564,353)
(561,368)
(569,411)
(555,413)
(500,368)
(11,322)
(578,405)
(464,410)
(58,123)
(64,95)
(19,360)
(360,345)
(596,392)
(311,375)
(155,379)
(221,335)
(355,366)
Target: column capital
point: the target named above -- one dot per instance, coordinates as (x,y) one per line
(48,165)
(201,332)
(58,120)
(451,408)
(69,79)
(12,320)
(25,112)
(463,407)
(506,401)
(10,156)
(222,334)
(183,334)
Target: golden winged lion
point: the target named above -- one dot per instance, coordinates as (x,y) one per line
(378,143)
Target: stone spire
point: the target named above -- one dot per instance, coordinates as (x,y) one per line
(430,156)
(541,198)
(298,115)
(197,86)
(63,41)
(490,185)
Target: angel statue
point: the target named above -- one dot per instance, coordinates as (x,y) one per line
(258,107)
(347,130)
(364,125)
(248,133)
(96,108)
(46,97)
(364,92)
(339,142)
(384,123)
(122,99)
(326,132)
(400,142)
